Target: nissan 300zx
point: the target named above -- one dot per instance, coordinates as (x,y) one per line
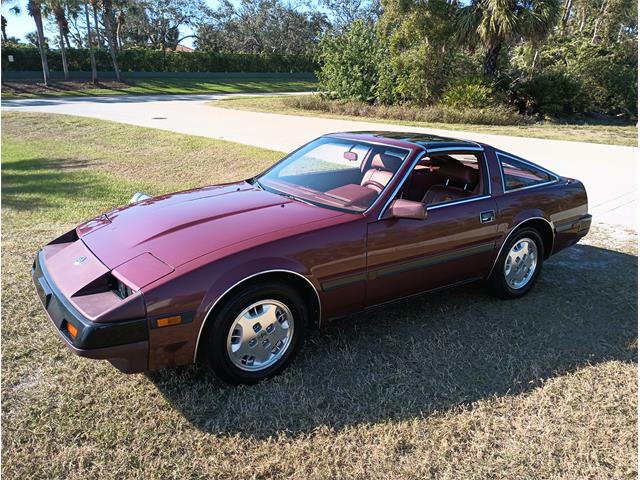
(234,275)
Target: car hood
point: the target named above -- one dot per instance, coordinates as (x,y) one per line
(182,226)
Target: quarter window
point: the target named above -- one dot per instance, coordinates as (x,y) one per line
(518,174)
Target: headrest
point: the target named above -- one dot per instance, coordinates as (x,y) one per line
(459,173)
(386,162)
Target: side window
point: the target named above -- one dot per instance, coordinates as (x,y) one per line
(446,177)
(520,175)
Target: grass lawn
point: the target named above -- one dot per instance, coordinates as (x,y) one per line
(154,85)
(451,385)
(608,134)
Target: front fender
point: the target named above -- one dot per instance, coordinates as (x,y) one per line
(193,295)
(240,273)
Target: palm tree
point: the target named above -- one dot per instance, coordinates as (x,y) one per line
(34,8)
(63,27)
(495,23)
(94,70)
(94,8)
(107,15)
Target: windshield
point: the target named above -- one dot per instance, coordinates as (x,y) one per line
(335,172)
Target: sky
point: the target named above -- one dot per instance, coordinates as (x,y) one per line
(17,25)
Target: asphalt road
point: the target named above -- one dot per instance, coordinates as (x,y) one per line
(609,172)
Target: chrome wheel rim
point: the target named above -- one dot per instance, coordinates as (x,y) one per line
(520,264)
(260,335)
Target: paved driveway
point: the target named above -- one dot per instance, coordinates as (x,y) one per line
(609,172)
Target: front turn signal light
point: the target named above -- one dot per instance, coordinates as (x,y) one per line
(169,321)
(73,331)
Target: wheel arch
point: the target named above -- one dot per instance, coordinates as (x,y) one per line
(298,281)
(540,224)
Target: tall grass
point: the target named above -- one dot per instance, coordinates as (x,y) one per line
(498,115)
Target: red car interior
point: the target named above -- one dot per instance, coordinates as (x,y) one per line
(383,167)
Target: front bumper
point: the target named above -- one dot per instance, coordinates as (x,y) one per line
(124,344)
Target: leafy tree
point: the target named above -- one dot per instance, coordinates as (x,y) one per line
(261,26)
(572,75)
(351,63)
(602,21)
(496,23)
(345,12)
(159,24)
(423,53)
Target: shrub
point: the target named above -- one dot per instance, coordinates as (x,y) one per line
(497,115)
(473,94)
(403,78)
(549,93)
(147,60)
(350,63)
(573,76)
(609,76)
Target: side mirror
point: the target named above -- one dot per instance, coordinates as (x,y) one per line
(401,208)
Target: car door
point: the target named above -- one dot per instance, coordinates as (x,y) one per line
(453,244)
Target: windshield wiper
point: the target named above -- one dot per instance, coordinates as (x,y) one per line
(257,183)
(293,197)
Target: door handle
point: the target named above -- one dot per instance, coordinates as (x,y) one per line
(488,216)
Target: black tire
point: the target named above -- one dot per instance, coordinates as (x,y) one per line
(217,332)
(498,280)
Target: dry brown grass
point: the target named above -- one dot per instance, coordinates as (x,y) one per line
(452,385)
(497,122)
(496,115)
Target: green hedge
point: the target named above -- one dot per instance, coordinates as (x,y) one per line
(147,60)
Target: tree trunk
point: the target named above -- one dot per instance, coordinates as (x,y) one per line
(94,70)
(63,51)
(111,24)
(106,18)
(36,13)
(603,10)
(491,60)
(4,28)
(533,64)
(94,7)
(565,16)
(118,32)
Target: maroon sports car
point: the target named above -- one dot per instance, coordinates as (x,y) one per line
(235,274)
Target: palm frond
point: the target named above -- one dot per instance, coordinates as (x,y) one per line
(537,20)
(467,22)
